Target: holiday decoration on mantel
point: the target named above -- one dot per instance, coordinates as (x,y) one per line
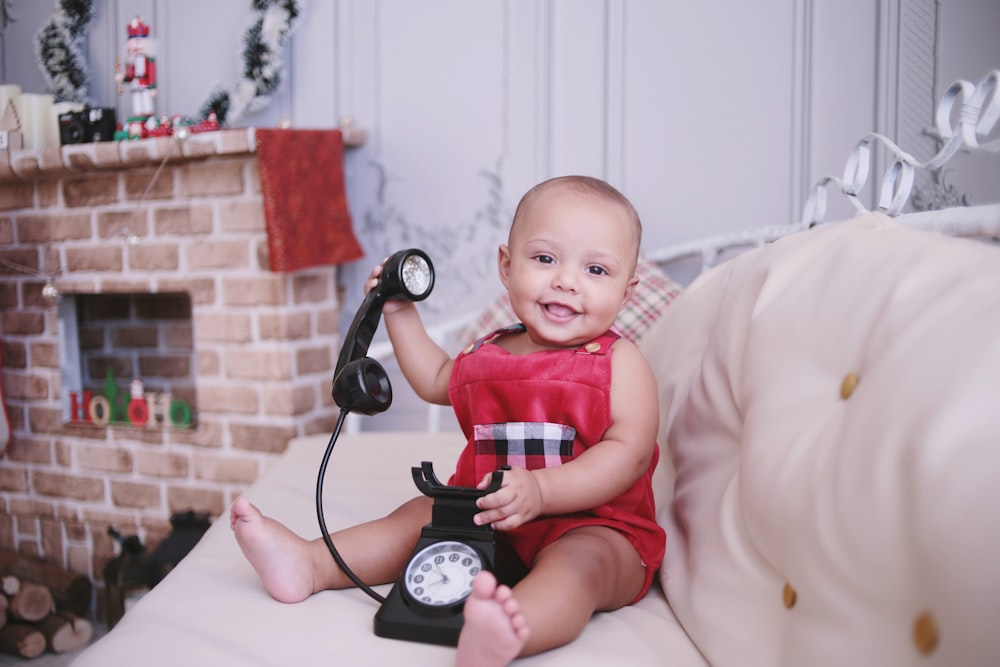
(59,48)
(10,127)
(140,70)
(272,23)
(179,127)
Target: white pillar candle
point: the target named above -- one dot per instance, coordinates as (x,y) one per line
(38,122)
(8,93)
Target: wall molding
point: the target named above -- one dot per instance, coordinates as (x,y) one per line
(908,37)
(615,96)
(801,141)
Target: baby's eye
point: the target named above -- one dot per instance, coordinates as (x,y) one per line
(596,270)
(544,259)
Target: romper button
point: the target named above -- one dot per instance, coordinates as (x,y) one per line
(925,634)
(469,349)
(788,596)
(848,385)
(591,347)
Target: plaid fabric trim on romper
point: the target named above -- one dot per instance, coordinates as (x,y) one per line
(529,445)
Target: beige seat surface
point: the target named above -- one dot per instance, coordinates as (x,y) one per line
(212,610)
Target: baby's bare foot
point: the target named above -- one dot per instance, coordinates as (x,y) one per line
(279,556)
(494,630)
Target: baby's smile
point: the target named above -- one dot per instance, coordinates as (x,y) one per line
(559,311)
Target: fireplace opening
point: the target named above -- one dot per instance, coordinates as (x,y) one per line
(127,359)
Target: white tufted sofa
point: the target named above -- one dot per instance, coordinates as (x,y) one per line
(832,406)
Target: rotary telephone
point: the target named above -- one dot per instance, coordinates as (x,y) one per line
(426,602)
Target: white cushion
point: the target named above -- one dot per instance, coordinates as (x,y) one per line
(811,529)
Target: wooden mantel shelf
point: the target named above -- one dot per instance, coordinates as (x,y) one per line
(33,164)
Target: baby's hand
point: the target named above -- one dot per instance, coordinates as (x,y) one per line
(518,501)
(389,306)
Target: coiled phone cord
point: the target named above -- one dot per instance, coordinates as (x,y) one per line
(322,521)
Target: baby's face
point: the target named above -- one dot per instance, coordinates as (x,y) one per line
(569,266)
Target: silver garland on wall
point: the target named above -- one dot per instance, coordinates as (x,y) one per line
(271,24)
(59,49)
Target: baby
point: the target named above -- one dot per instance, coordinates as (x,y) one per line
(576,506)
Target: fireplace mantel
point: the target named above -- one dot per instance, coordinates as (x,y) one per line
(55,162)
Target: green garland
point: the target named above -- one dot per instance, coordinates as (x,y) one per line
(59,49)
(270,26)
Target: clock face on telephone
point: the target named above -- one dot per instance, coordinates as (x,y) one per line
(442,573)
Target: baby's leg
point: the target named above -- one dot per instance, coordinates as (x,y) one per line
(292,568)
(588,569)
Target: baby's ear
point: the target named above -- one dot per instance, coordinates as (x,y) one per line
(630,289)
(503,263)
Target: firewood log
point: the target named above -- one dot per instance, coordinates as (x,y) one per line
(32,603)
(65,632)
(72,591)
(10,584)
(22,640)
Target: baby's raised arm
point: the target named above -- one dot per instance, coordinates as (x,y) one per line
(426,366)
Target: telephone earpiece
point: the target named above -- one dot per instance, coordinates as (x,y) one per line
(360,384)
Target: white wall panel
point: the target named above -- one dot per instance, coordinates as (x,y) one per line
(965,23)
(708,115)
(528,133)
(578,47)
(440,107)
(313,59)
(844,85)
(432,173)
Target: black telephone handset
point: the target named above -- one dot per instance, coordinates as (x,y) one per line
(360,384)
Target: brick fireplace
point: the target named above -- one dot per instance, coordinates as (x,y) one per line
(115,223)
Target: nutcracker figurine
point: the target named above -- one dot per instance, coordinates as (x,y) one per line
(140,69)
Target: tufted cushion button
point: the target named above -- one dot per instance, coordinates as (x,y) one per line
(925,634)
(848,385)
(788,595)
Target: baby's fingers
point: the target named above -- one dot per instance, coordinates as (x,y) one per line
(500,519)
(494,507)
(373,277)
(488,517)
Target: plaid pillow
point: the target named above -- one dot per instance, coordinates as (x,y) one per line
(655,291)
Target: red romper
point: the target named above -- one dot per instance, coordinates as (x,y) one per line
(540,410)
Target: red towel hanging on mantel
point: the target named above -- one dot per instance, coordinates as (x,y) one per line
(305,204)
